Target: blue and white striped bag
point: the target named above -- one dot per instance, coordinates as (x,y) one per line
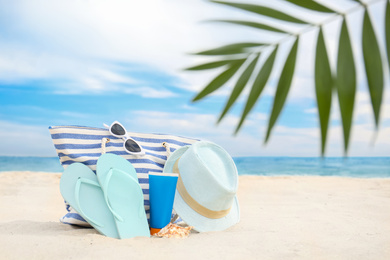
(85,144)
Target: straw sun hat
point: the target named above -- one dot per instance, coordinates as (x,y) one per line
(206,190)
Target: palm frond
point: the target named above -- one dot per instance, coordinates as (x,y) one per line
(324,85)
(255,25)
(258,86)
(311,5)
(373,65)
(341,78)
(213,65)
(235,48)
(220,80)
(283,87)
(346,82)
(387,31)
(239,87)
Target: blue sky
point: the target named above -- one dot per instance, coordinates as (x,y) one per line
(83,62)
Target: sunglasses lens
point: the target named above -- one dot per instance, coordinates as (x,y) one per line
(117,129)
(132,146)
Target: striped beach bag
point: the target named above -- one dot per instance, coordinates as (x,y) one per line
(86,144)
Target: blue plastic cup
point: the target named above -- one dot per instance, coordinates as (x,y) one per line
(162,187)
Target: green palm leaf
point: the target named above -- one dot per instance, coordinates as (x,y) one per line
(240,85)
(387,31)
(231,49)
(260,26)
(324,87)
(346,82)
(258,86)
(312,5)
(220,80)
(213,65)
(283,87)
(373,64)
(262,10)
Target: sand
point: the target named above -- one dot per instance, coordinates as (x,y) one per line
(281,218)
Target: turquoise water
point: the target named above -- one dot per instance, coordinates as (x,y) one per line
(367,167)
(35,164)
(334,166)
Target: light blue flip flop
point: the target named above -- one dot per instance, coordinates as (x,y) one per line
(80,188)
(110,161)
(123,195)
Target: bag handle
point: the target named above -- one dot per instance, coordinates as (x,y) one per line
(103,146)
(167,148)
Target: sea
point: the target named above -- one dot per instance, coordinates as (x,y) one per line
(360,167)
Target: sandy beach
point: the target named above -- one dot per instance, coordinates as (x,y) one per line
(281,218)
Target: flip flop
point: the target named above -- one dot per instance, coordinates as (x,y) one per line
(80,188)
(123,195)
(109,161)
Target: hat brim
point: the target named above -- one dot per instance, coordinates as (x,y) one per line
(190,216)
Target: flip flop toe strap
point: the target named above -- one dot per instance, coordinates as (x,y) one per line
(77,197)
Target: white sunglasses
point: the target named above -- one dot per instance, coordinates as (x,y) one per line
(130,145)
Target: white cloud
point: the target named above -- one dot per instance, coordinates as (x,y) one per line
(25,140)
(191,124)
(149,92)
(364,108)
(18,64)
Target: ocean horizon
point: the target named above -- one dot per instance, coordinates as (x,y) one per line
(363,167)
